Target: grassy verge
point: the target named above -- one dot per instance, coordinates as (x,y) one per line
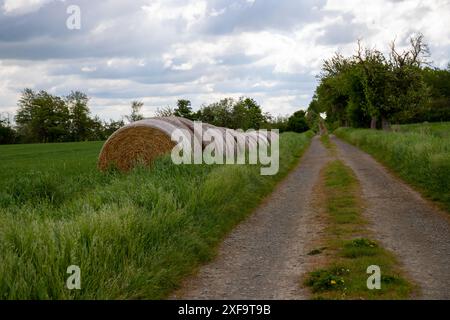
(349,247)
(325,139)
(420,154)
(134,236)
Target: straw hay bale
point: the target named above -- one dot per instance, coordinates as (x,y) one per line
(238,136)
(185,124)
(259,137)
(139,142)
(190,125)
(142,141)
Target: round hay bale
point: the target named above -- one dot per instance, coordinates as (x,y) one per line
(239,148)
(138,142)
(218,144)
(142,141)
(269,135)
(205,127)
(184,124)
(175,121)
(259,137)
(190,124)
(251,141)
(230,146)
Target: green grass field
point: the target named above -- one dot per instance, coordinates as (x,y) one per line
(133,236)
(419,153)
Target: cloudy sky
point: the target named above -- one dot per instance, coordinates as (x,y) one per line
(158,51)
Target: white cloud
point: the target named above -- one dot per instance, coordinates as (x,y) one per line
(399,19)
(17,7)
(88,69)
(165,11)
(159,51)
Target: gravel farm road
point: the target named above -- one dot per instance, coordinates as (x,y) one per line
(266,256)
(416,231)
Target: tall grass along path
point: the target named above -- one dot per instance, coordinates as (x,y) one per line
(134,236)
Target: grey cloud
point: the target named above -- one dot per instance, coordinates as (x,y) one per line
(43,34)
(344,32)
(41,42)
(240,15)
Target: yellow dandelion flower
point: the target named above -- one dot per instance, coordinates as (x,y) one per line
(333,282)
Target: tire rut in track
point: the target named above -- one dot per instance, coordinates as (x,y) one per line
(265,256)
(414,230)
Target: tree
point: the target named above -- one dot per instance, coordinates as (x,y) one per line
(297,122)
(247,114)
(374,76)
(112,126)
(164,112)
(43,117)
(218,113)
(278,122)
(368,86)
(7,133)
(313,114)
(333,91)
(438,106)
(184,109)
(80,121)
(135,115)
(407,90)
(97,130)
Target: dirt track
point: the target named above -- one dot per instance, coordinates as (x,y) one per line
(266,256)
(417,232)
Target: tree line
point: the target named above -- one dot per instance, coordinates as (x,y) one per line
(42,117)
(243,113)
(371,89)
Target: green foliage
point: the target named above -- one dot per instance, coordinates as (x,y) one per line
(42,117)
(313,115)
(244,114)
(184,109)
(359,248)
(297,122)
(420,154)
(361,89)
(247,114)
(80,121)
(437,107)
(136,107)
(165,112)
(327,279)
(325,139)
(279,122)
(7,133)
(134,236)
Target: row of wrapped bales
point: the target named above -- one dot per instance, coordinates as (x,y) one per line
(143,141)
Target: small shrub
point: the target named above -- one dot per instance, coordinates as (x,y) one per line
(327,279)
